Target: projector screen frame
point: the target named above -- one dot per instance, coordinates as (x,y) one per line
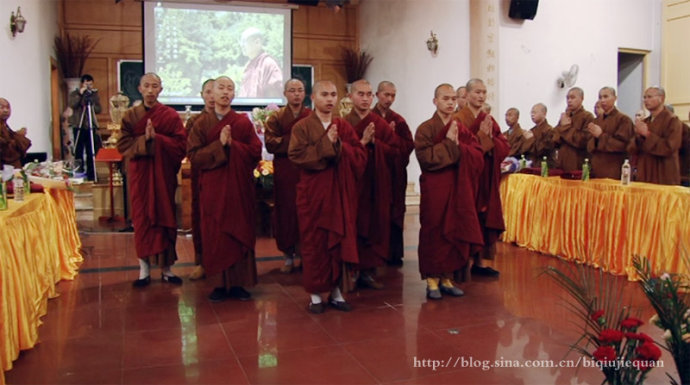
(246,103)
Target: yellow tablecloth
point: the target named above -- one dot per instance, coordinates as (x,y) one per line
(599,222)
(39,246)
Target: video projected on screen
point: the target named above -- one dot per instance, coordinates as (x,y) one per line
(185,44)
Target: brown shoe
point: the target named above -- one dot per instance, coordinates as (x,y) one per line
(287,269)
(197,273)
(368,282)
(316,308)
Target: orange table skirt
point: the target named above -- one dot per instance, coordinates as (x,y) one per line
(39,246)
(599,222)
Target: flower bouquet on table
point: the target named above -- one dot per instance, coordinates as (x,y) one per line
(259,116)
(52,174)
(669,294)
(610,336)
(263,174)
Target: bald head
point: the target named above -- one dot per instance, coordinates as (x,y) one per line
(319,85)
(150,86)
(5,110)
(359,84)
(442,87)
(293,83)
(574,98)
(294,93)
(472,83)
(538,113)
(384,85)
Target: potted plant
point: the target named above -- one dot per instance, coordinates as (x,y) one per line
(71,53)
(356,64)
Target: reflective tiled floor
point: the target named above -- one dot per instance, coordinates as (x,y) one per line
(102,331)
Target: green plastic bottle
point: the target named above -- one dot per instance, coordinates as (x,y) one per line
(585,170)
(3,195)
(523,162)
(544,167)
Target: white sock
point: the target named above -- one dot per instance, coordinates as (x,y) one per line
(336,295)
(315,298)
(289,261)
(143,269)
(167,272)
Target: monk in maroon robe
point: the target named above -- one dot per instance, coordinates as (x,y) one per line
(495,147)
(153,139)
(375,186)
(209,104)
(331,158)
(286,175)
(451,161)
(385,95)
(13,145)
(225,147)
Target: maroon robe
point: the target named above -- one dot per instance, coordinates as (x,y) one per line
(152,174)
(196,210)
(227,192)
(449,186)
(285,177)
(375,191)
(399,164)
(326,199)
(495,150)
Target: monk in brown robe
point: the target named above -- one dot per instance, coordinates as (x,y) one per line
(684,154)
(539,142)
(375,186)
(611,134)
(495,147)
(286,175)
(225,147)
(331,158)
(657,140)
(571,134)
(385,95)
(451,161)
(153,139)
(13,145)
(516,135)
(209,104)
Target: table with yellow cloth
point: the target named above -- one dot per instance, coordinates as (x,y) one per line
(599,222)
(39,246)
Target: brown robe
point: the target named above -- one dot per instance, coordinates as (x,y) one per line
(571,140)
(152,175)
(285,177)
(326,199)
(609,150)
(398,179)
(196,211)
(375,191)
(516,140)
(13,146)
(495,148)
(541,145)
(227,195)
(657,154)
(449,185)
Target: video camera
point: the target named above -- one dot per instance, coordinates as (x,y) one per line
(87,96)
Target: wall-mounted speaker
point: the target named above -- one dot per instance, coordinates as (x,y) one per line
(523,9)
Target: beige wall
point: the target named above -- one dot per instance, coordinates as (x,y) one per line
(675,56)
(318,35)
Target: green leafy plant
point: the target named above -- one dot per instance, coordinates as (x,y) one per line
(609,333)
(669,295)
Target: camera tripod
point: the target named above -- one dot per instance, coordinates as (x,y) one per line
(88,110)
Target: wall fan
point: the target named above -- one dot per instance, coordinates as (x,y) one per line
(568,78)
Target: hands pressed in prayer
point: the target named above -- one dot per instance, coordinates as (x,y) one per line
(452,133)
(641,127)
(368,135)
(565,119)
(149,131)
(487,126)
(594,129)
(333,133)
(528,134)
(225,138)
